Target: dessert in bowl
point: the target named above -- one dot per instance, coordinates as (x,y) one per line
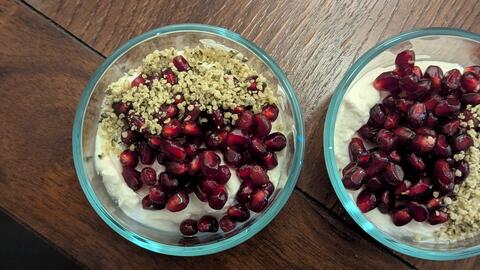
(188,140)
(401,143)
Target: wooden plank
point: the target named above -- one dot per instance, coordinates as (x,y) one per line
(43,71)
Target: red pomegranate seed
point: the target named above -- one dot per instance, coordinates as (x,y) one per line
(363,159)
(386,202)
(270,111)
(181,63)
(167,182)
(464,168)
(207,224)
(366,200)
(157,195)
(258,201)
(176,168)
(130,137)
(239,109)
(432,101)
(166,111)
(416,162)
(217,198)
(418,211)
(162,158)
(470,82)
(404,134)
(174,150)
(257,148)
(270,161)
(402,187)
(276,141)
(150,80)
(395,156)
(423,143)
(188,227)
(191,129)
(356,148)
(417,71)
(417,114)
(433,204)
(172,129)
(405,61)
(244,172)
(155,142)
(227,224)
(377,115)
(462,142)
(426,131)
(216,140)
(374,183)
(191,150)
(148,204)
(269,188)
(471,98)
(473,69)
(258,176)
(386,140)
(349,167)
(451,80)
(437,217)
(368,132)
(451,127)
(136,121)
(237,140)
(408,83)
(431,121)
(194,166)
(146,153)
(387,81)
(354,178)
(121,108)
(403,105)
(148,176)
(378,161)
(252,83)
(201,194)
(139,80)
(129,158)
(245,121)
(401,216)
(423,89)
(209,163)
(261,126)
(244,192)
(391,121)
(223,174)
(390,102)
(170,76)
(447,107)
(232,157)
(443,172)
(435,74)
(442,149)
(132,178)
(209,186)
(178,201)
(238,212)
(394,173)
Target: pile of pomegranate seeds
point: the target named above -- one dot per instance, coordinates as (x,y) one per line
(415,133)
(190,146)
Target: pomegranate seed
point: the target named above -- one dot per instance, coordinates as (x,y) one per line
(237,140)
(378,161)
(172,129)
(386,202)
(167,182)
(239,109)
(244,192)
(432,101)
(451,127)
(166,111)
(462,142)
(148,176)
(471,98)
(435,74)
(408,83)
(395,156)
(223,174)
(178,201)
(191,150)
(128,158)
(258,201)
(390,102)
(209,186)
(216,140)
(244,172)
(188,227)
(431,121)
(201,194)
(207,224)
(176,168)
(374,183)
(261,126)
(238,212)
(366,200)
(257,148)
(132,178)
(252,83)
(416,162)
(377,115)
(423,89)
(209,163)
(469,82)
(433,204)
(136,121)
(191,129)
(447,107)
(442,149)
(156,195)
(139,80)
(130,137)
(418,211)
(121,107)
(194,167)
(437,217)
(232,157)
(276,141)
(217,198)
(162,158)
(402,187)
(464,168)
(417,71)
(270,161)
(146,153)
(174,150)
(245,121)
(386,140)
(403,105)
(181,63)
(170,76)
(354,178)
(473,69)
(423,143)
(426,131)
(356,148)
(405,61)
(394,173)
(155,142)
(391,121)
(417,114)
(368,132)
(451,80)
(270,111)
(387,81)
(148,204)
(258,176)
(150,80)
(269,188)
(401,216)
(404,134)
(227,224)
(443,172)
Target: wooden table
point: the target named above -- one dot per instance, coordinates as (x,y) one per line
(49,50)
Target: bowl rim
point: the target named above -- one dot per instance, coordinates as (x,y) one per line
(329,154)
(246,233)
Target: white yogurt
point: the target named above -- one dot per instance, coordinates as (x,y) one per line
(352,114)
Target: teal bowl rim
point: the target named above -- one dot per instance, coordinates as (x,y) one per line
(223,244)
(333,170)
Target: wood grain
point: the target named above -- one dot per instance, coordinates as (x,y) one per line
(313,41)
(43,71)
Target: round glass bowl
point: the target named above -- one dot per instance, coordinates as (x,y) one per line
(129,56)
(434,44)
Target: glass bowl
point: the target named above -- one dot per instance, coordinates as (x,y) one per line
(437,44)
(86,121)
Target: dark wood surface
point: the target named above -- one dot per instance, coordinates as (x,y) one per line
(51,48)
